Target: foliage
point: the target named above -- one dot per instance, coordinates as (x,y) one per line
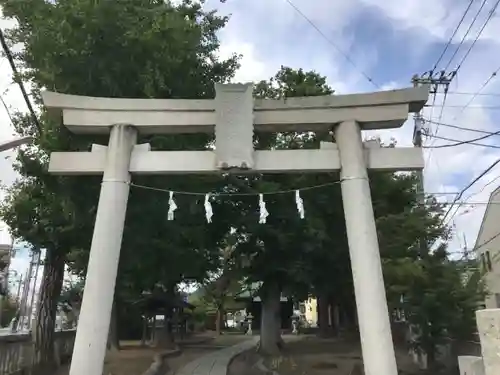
(276,252)
(137,48)
(439,299)
(9,309)
(171,53)
(71,296)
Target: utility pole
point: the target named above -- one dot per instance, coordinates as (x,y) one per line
(26,289)
(435,81)
(30,312)
(18,295)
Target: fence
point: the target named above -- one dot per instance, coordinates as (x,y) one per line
(16,351)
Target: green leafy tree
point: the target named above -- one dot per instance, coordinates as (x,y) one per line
(276,252)
(138,48)
(439,299)
(70,302)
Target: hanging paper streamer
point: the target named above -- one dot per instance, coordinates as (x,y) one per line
(262,210)
(171,207)
(208,208)
(300,204)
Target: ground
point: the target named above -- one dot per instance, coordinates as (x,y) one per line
(313,356)
(133,359)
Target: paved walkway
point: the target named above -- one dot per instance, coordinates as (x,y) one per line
(216,363)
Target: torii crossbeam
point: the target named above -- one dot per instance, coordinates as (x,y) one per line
(234,115)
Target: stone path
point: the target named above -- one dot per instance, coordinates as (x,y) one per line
(216,363)
(133,359)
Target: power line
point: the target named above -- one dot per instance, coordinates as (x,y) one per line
(332,43)
(490,16)
(459,127)
(468,107)
(459,143)
(482,189)
(20,83)
(453,35)
(475,248)
(471,93)
(467,32)
(486,242)
(464,203)
(457,198)
(490,78)
(466,200)
(6,109)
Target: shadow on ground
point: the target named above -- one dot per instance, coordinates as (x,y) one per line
(312,356)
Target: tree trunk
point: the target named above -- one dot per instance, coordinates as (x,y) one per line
(144,330)
(218,321)
(44,356)
(323,316)
(349,314)
(153,330)
(113,343)
(333,316)
(270,330)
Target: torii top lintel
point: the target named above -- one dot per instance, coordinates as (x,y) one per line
(94,115)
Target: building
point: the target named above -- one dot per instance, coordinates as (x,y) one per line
(488,249)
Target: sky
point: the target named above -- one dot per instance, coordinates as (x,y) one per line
(350,42)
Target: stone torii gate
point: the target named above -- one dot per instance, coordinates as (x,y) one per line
(233,115)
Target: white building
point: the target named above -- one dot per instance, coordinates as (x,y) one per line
(488,249)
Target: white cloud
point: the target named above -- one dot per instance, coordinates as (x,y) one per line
(438,19)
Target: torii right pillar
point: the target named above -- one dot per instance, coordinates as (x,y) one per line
(371,301)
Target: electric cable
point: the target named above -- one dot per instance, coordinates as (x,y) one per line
(20,83)
(490,16)
(490,78)
(453,35)
(450,61)
(468,107)
(471,93)
(466,33)
(7,110)
(466,200)
(333,44)
(459,127)
(459,196)
(459,143)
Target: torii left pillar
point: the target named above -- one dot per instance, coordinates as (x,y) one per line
(91,339)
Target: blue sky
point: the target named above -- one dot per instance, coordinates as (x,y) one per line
(390,41)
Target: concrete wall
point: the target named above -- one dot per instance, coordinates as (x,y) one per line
(16,351)
(488,253)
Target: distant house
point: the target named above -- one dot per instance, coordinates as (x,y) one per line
(488,249)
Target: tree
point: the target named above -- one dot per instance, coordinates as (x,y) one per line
(88,48)
(70,302)
(439,298)
(277,251)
